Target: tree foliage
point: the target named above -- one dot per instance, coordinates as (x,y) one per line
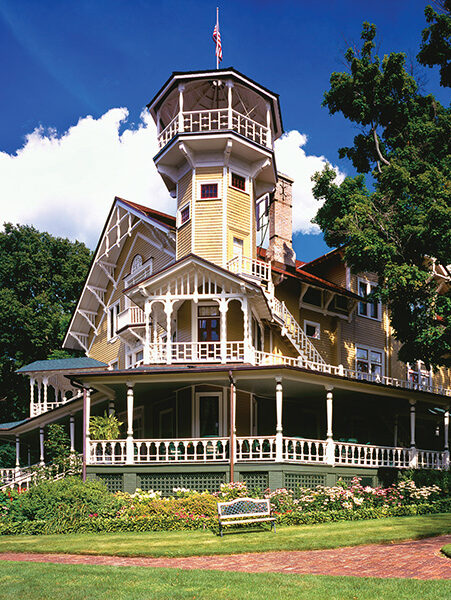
(436,45)
(41,278)
(400,222)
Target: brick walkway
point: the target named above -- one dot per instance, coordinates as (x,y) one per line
(419,559)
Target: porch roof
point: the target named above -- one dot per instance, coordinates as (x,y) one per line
(60,364)
(253,378)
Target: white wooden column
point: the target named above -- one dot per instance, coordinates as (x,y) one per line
(223,308)
(72,432)
(17,453)
(41,445)
(168,306)
(32,382)
(330,445)
(87,418)
(268,126)
(181,90)
(279,427)
(229,85)
(395,432)
(413,455)
(446,438)
(146,351)
(130,406)
(110,407)
(45,383)
(248,354)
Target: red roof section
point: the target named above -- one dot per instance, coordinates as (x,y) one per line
(162,218)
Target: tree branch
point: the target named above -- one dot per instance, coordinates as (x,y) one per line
(378,150)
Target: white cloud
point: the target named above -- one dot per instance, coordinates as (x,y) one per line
(65,184)
(293,161)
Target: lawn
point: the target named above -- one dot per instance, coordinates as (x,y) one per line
(192,543)
(37,581)
(447,550)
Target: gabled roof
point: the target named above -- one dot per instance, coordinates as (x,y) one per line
(59,364)
(122,219)
(323,258)
(12,424)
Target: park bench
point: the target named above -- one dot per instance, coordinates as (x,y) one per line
(243,511)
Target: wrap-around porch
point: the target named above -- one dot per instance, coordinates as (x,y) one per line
(270,419)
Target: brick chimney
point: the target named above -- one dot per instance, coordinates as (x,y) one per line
(280,247)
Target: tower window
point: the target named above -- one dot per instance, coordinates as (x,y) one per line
(238,182)
(184,214)
(208,190)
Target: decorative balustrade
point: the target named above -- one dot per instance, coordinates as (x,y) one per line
(303,450)
(38,408)
(187,352)
(365,455)
(130,316)
(112,452)
(242,265)
(7,475)
(256,448)
(222,119)
(430,459)
(187,450)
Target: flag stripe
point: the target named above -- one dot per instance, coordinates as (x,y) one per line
(217,41)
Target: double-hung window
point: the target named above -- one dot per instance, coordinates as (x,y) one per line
(113,312)
(369,362)
(419,374)
(371,310)
(209,191)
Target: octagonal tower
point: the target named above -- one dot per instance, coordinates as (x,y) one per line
(216,133)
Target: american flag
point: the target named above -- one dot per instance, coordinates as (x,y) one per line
(217,41)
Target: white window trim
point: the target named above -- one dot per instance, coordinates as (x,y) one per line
(241,174)
(317,327)
(209,182)
(111,365)
(179,215)
(416,368)
(222,413)
(111,337)
(369,349)
(133,277)
(130,356)
(369,285)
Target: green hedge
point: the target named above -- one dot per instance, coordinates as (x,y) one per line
(173,523)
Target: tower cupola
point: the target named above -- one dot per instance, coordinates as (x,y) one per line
(216,133)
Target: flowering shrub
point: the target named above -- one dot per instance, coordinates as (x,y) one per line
(72,506)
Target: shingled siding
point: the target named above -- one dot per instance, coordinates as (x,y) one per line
(208,218)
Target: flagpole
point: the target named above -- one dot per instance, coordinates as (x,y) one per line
(217,29)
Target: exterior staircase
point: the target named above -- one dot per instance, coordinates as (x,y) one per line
(293,331)
(24,478)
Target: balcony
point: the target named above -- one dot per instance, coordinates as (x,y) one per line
(262,449)
(130,317)
(216,120)
(250,268)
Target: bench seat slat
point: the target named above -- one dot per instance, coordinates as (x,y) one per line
(237,522)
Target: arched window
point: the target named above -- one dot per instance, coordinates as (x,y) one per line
(137,263)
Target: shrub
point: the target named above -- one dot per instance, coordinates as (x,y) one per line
(69,497)
(7,456)
(57,444)
(429,477)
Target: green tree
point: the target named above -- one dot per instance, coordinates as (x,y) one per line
(436,45)
(400,222)
(57,445)
(41,277)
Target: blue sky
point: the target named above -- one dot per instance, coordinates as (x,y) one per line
(64,60)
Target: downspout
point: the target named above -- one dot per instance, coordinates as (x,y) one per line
(232,426)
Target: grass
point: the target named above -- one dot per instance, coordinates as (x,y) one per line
(447,550)
(198,543)
(38,581)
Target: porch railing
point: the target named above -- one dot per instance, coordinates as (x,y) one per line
(303,450)
(365,455)
(256,448)
(243,265)
(259,448)
(203,121)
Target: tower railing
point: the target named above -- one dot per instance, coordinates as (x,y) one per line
(218,119)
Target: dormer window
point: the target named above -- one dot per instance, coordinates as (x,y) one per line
(208,191)
(136,264)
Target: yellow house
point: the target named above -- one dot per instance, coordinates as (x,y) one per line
(223,355)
